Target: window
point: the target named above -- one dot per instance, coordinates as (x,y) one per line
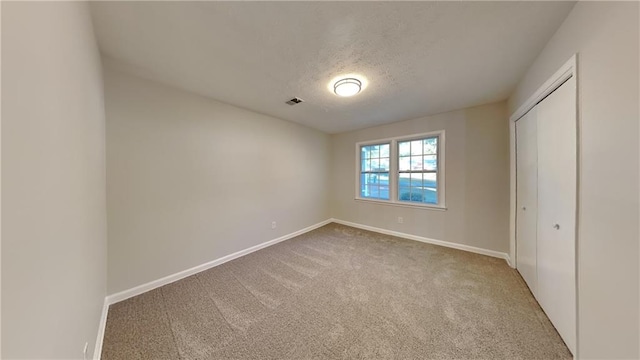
(374,171)
(418,170)
(405,171)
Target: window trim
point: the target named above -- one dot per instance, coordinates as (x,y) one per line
(394,170)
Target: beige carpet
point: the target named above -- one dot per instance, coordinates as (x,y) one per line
(339,293)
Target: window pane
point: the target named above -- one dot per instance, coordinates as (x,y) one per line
(430,181)
(374,186)
(404,180)
(430,162)
(370,151)
(375,164)
(430,185)
(416,194)
(384,192)
(404,148)
(384,150)
(404,193)
(416,163)
(431,146)
(375,191)
(430,197)
(366,152)
(366,191)
(405,163)
(375,152)
(383,179)
(410,194)
(416,147)
(384,164)
(372,179)
(416,180)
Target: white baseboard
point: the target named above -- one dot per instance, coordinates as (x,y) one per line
(97,351)
(126,294)
(123,295)
(473,249)
(507,258)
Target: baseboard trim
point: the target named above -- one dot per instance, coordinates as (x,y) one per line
(507,258)
(473,249)
(126,294)
(97,351)
(140,289)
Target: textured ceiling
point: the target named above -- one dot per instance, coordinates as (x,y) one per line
(418,58)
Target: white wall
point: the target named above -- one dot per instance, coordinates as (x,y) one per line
(605,36)
(191,179)
(477,179)
(53,186)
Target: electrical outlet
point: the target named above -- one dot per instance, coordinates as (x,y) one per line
(400,220)
(84,352)
(273,225)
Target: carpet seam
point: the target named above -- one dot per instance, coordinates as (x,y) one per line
(214,303)
(290,266)
(251,292)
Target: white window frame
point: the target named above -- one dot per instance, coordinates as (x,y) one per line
(394,171)
(358,149)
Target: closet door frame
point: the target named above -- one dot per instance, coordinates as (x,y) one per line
(566,71)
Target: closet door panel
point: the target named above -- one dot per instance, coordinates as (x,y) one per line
(556,288)
(526,197)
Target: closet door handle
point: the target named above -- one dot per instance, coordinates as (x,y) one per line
(524,208)
(556,226)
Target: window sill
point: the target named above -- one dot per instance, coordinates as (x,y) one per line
(399,204)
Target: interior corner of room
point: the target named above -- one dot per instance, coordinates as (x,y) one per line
(182,145)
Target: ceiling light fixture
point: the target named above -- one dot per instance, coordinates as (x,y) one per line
(347,87)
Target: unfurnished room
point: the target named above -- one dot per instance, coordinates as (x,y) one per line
(320,180)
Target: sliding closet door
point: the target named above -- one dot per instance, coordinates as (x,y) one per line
(527,197)
(556,288)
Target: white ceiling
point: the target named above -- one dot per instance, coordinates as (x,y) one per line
(419,58)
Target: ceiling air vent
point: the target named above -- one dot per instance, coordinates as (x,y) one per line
(294,101)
